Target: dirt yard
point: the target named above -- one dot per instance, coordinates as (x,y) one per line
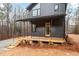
(55,50)
(43,50)
(73,38)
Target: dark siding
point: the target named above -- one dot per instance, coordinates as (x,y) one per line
(48,9)
(55,32)
(39,32)
(57,29)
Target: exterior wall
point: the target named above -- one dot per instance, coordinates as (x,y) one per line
(56,31)
(47,9)
(39,32)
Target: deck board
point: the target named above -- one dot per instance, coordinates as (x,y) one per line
(43,39)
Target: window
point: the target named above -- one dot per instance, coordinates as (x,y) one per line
(36,10)
(33,28)
(56,7)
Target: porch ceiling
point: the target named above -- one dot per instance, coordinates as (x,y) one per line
(41,18)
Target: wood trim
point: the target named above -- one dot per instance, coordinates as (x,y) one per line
(47,24)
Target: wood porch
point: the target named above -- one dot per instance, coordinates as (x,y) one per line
(48,29)
(32,39)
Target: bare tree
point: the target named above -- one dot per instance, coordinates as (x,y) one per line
(77,20)
(2,17)
(7,7)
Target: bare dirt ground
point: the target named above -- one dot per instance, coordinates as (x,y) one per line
(44,50)
(73,38)
(55,50)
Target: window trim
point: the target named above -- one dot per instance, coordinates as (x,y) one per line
(37,12)
(34,13)
(56,9)
(33,29)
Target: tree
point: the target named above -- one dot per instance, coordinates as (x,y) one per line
(72,18)
(68,11)
(2,17)
(7,7)
(77,20)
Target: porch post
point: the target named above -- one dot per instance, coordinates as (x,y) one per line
(31,29)
(24,28)
(51,28)
(64,26)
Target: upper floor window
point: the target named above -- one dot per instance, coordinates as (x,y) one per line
(56,7)
(36,10)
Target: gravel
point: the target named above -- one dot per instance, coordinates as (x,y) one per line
(5,43)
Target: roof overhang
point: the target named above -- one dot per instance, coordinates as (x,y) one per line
(41,18)
(30,6)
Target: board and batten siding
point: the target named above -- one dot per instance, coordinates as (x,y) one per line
(40,31)
(55,31)
(47,9)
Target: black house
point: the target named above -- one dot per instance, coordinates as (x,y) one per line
(47,19)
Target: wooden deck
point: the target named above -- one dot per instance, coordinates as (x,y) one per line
(43,39)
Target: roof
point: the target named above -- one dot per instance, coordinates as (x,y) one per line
(41,17)
(30,6)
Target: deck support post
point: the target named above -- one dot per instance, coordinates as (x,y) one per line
(31,42)
(41,43)
(50,43)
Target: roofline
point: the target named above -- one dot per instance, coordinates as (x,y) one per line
(30,6)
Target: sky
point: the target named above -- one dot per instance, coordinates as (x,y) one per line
(21,5)
(17,5)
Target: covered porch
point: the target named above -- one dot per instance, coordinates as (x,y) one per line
(48,27)
(44,24)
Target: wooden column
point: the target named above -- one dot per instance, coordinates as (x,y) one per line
(24,28)
(64,25)
(31,29)
(51,28)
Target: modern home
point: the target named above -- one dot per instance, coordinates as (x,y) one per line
(47,19)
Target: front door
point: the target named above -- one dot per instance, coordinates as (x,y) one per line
(47,29)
